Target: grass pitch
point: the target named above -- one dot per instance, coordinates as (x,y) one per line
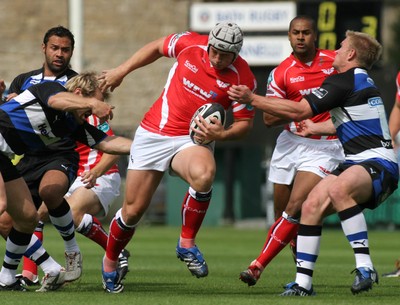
(157,277)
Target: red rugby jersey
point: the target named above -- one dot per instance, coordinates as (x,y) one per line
(88,157)
(192,82)
(292,79)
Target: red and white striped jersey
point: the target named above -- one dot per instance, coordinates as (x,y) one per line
(398,86)
(193,82)
(89,157)
(292,79)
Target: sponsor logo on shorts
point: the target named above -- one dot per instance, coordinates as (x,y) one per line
(324,170)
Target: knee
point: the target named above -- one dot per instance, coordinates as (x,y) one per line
(52,195)
(28,223)
(202,179)
(311,210)
(131,214)
(5,225)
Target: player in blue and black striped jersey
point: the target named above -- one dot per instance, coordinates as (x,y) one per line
(369,173)
(55,164)
(42,115)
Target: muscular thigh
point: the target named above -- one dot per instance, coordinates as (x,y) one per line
(195,165)
(352,186)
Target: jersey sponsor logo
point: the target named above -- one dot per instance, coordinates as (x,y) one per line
(221,84)
(320,92)
(197,90)
(104,127)
(43,130)
(34,81)
(191,67)
(297,79)
(308,91)
(328,71)
(375,101)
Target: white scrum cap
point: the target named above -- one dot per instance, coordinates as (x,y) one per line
(227,37)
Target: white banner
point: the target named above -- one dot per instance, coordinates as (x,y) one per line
(265,50)
(250,16)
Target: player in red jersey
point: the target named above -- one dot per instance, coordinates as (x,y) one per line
(297,163)
(394,127)
(205,67)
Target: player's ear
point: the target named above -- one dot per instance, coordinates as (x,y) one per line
(78,91)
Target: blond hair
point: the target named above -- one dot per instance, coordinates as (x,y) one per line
(367,48)
(87,82)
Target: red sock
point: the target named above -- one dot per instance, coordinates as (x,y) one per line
(29,265)
(97,233)
(193,212)
(279,235)
(118,238)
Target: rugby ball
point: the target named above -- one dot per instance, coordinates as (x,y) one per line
(207,111)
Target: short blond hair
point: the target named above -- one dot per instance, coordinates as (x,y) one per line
(368,49)
(87,82)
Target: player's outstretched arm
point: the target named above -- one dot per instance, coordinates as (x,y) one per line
(115,145)
(146,55)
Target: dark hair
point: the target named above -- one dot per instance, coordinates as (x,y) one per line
(305,17)
(59,31)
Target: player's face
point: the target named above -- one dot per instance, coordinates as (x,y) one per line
(342,55)
(82,115)
(302,39)
(220,59)
(58,52)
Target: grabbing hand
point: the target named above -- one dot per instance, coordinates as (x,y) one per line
(89,179)
(241,94)
(109,79)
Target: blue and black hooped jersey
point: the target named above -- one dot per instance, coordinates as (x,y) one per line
(358,113)
(25,80)
(27,123)
(28,79)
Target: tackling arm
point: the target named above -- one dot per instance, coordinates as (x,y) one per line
(282,108)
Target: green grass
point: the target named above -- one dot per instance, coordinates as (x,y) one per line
(157,277)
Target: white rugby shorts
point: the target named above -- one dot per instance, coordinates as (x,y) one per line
(293,153)
(107,190)
(152,151)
